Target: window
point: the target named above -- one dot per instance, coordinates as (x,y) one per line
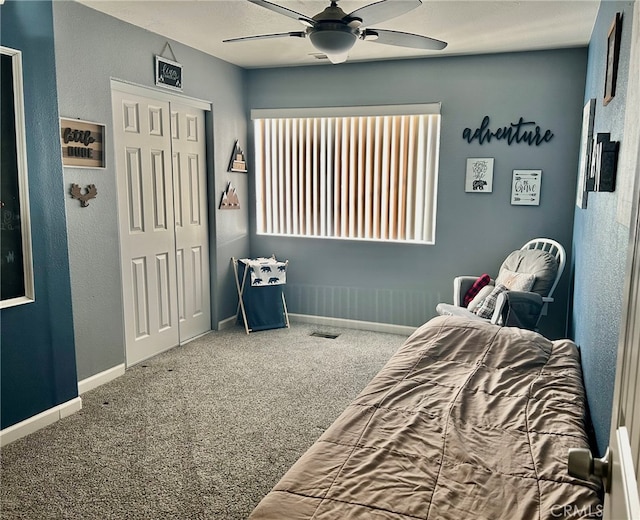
(370,175)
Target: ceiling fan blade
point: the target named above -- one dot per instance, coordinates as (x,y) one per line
(294,34)
(403,39)
(383,10)
(285,11)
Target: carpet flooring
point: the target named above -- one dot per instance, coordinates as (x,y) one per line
(202,431)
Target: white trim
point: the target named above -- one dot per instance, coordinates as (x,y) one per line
(197,336)
(99,379)
(141,90)
(354,239)
(353,324)
(39,421)
(371,110)
(338,155)
(227,323)
(628,473)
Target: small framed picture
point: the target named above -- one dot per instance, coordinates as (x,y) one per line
(613,52)
(525,188)
(479,177)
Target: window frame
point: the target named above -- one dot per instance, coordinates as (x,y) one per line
(430,170)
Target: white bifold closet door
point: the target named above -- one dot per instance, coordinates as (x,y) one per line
(162,206)
(190,209)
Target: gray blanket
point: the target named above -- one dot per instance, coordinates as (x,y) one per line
(466,421)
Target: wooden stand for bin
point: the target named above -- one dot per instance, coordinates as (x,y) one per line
(261,307)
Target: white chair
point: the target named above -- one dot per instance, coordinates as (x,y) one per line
(522,291)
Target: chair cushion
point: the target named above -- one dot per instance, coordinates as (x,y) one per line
(447,309)
(541,264)
(486,308)
(484,292)
(516,281)
(475,289)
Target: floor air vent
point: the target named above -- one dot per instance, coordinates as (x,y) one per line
(327,335)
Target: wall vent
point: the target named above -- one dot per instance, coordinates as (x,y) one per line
(327,335)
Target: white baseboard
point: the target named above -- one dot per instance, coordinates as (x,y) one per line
(101,378)
(228,323)
(353,324)
(335,322)
(39,421)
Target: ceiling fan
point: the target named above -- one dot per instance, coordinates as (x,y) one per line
(334,32)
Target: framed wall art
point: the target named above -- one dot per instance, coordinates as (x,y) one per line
(82,143)
(613,52)
(525,188)
(479,175)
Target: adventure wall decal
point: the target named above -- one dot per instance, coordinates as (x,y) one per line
(521,131)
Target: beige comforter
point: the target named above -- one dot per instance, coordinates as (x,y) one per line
(466,421)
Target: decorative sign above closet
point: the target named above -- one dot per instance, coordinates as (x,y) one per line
(168,72)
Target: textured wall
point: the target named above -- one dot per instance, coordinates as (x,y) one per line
(38,369)
(600,241)
(402,284)
(91,48)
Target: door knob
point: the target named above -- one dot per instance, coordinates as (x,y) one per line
(583,465)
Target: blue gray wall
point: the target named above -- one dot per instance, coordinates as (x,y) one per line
(37,357)
(401,284)
(367,281)
(600,240)
(92,48)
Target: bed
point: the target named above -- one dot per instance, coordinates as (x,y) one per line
(467,420)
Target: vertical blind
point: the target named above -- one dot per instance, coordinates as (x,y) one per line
(356,177)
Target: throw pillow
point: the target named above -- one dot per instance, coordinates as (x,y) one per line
(484,292)
(486,308)
(515,281)
(475,288)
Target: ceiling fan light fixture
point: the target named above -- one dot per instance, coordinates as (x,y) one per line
(333,42)
(333,33)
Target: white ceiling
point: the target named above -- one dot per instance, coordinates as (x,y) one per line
(469,27)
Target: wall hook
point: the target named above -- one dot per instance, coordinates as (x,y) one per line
(76,193)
